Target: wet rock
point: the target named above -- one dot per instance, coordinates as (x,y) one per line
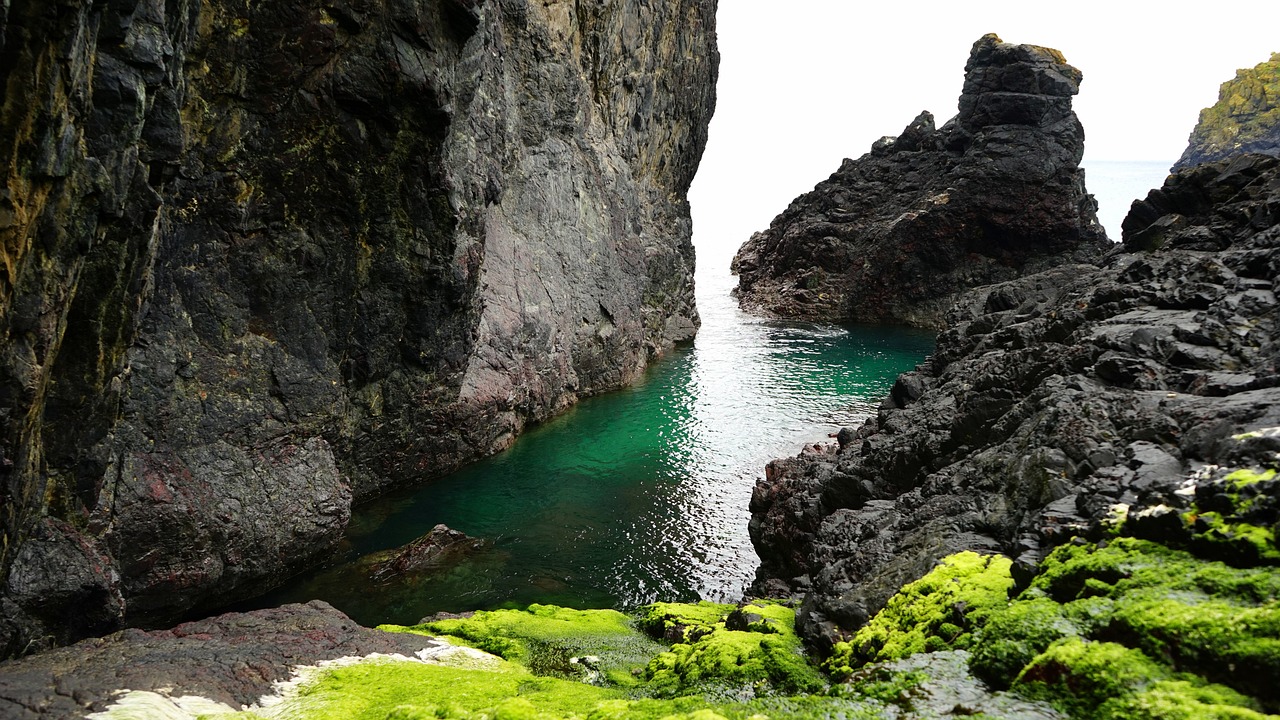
(1051,403)
(898,234)
(429,552)
(269,259)
(231,659)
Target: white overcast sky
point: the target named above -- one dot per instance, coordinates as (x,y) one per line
(806,83)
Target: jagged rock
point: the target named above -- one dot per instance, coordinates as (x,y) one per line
(422,555)
(1049,401)
(232,659)
(1246,118)
(896,235)
(266,259)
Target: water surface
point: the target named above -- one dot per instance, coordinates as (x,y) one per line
(637,495)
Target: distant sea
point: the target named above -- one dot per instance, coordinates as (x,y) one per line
(1117,183)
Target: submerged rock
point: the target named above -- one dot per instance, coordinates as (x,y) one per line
(1051,400)
(429,552)
(267,259)
(898,234)
(1246,118)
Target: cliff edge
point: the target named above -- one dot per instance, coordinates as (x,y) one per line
(897,235)
(265,259)
(1246,118)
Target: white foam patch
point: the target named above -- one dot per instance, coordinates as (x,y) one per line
(148,705)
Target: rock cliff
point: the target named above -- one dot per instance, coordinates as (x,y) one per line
(896,235)
(265,259)
(1246,118)
(1051,400)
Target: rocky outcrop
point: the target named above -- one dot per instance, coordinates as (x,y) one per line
(896,235)
(232,659)
(265,259)
(429,552)
(1246,118)
(1050,401)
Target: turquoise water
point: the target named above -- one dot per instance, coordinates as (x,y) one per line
(637,495)
(642,494)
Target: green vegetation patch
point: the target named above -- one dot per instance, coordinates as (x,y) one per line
(762,651)
(554,641)
(1171,630)
(1109,681)
(937,612)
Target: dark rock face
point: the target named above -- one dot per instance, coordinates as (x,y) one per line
(1049,400)
(896,235)
(232,659)
(1246,118)
(265,259)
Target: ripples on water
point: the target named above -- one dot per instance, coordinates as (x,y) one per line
(637,495)
(641,494)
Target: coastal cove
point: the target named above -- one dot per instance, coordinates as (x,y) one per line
(641,495)
(633,496)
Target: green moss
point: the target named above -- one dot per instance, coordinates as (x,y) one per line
(769,662)
(547,639)
(1183,700)
(1245,543)
(1109,681)
(682,621)
(937,612)
(1118,623)
(1243,478)
(1079,676)
(1013,638)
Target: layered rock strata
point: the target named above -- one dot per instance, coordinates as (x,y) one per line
(265,259)
(1246,118)
(896,235)
(1050,401)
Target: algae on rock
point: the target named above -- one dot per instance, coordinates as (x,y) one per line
(1246,118)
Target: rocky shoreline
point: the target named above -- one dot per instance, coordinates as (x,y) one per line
(1050,401)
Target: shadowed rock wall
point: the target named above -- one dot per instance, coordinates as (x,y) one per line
(265,259)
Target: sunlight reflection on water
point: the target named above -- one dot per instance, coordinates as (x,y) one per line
(634,496)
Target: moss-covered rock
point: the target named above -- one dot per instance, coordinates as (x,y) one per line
(600,645)
(1146,610)
(937,612)
(769,658)
(1246,118)
(724,674)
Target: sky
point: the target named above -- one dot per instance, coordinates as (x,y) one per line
(806,83)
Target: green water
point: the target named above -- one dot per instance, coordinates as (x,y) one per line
(634,496)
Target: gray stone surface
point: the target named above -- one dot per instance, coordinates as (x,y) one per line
(266,259)
(1049,400)
(232,659)
(896,235)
